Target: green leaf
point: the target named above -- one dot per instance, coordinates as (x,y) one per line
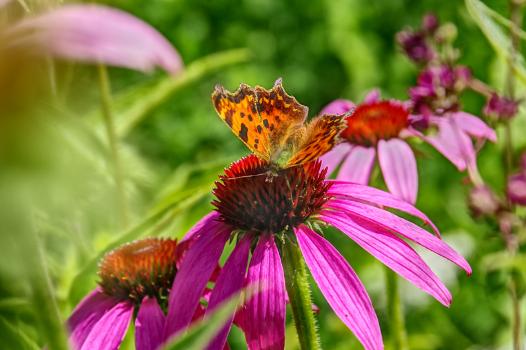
(483,17)
(200,334)
(132,106)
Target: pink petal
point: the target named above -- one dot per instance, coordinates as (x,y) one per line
(407,229)
(195,271)
(474,126)
(392,251)
(87,313)
(332,159)
(377,198)
(453,143)
(398,165)
(341,287)
(149,325)
(372,96)
(230,281)
(198,227)
(97,34)
(340,106)
(263,315)
(110,329)
(357,165)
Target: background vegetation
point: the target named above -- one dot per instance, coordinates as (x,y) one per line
(57,198)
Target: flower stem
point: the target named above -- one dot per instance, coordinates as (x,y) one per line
(396,312)
(105,102)
(299,295)
(516,15)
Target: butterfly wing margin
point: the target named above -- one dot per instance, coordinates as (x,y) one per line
(240,112)
(321,135)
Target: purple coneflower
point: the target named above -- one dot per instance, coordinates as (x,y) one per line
(435,105)
(263,215)
(135,279)
(374,128)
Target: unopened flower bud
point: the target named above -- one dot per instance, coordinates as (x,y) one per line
(500,107)
(483,201)
(517,189)
(429,23)
(446,33)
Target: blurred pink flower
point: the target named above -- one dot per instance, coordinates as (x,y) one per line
(95,34)
(501,107)
(257,212)
(134,278)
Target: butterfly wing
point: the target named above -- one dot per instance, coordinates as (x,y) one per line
(263,119)
(320,136)
(281,115)
(239,111)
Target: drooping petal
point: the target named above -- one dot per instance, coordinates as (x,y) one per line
(392,251)
(332,159)
(407,229)
(398,165)
(262,318)
(87,313)
(198,227)
(195,271)
(474,126)
(149,325)
(357,165)
(229,282)
(338,107)
(96,34)
(109,331)
(377,198)
(372,96)
(453,143)
(341,287)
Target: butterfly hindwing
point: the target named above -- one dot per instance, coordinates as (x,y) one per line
(320,136)
(239,111)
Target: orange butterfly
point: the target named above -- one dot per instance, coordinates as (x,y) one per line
(272,124)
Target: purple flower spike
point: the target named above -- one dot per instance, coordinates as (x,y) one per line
(96,34)
(415,46)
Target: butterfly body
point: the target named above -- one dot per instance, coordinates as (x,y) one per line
(272,125)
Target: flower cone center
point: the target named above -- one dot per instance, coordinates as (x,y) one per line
(372,122)
(142,268)
(252,196)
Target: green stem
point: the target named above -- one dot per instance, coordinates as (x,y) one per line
(299,295)
(165,88)
(516,14)
(105,101)
(396,312)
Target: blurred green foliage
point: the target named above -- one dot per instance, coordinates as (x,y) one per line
(57,190)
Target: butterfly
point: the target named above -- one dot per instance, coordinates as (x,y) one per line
(272,124)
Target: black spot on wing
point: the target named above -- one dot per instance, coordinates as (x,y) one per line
(243,132)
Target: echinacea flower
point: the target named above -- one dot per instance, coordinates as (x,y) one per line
(448,129)
(261,208)
(94,34)
(374,129)
(135,280)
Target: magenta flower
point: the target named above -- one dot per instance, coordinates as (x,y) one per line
(261,212)
(95,34)
(517,184)
(375,128)
(435,105)
(501,107)
(135,277)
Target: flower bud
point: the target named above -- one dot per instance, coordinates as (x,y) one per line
(517,189)
(429,23)
(500,107)
(483,201)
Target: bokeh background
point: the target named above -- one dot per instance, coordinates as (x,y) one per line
(57,196)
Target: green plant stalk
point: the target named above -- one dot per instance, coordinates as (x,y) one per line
(105,102)
(299,295)
(168,86)
(516,14)
(395,311)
